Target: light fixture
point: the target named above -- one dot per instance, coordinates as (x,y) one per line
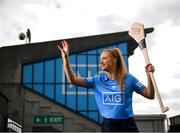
(22,36)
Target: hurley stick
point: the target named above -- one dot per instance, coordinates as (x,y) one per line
(136,31)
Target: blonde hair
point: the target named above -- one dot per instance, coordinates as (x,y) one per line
(120,66)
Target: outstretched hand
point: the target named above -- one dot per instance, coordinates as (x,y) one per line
(64,48)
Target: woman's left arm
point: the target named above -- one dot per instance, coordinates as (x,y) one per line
(149,92)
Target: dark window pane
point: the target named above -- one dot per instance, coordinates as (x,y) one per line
(49,91)
(93,115)
(60,97)
(38,88)
(82,98)
(71,101)
(38,72)
(59,70)
(81,61)
(92,52)
(28,85)
(92,101)
(49,71)
(123,48)
(27,74)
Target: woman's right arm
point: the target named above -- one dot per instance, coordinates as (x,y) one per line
(72,78)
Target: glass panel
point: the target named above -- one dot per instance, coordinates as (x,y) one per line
(123,48)
(70,89)
(83,113)
(81,68)
(59,70)
(49,71)
(111,47)
(126,61)
(60,97)
(92,101)
(27,74)
(38,73)
(49,91)
(92,65)
(82,100)
(72,59)
(101,50)
(98,69)
(29,86)
(92,52)
(92,59)
(82,53)
(71,101)
(38,88)
(93,115)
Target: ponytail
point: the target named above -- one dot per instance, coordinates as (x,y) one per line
(120,67)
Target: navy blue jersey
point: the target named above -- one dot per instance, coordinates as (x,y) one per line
(113,102)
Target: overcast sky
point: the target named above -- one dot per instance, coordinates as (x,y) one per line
(59,19)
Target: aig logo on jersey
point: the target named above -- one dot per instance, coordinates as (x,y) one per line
(113,98)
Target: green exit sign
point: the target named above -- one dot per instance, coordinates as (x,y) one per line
(48,119)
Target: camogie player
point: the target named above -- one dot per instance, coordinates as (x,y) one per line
(113,89)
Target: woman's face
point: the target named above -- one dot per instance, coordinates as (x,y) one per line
(107,62)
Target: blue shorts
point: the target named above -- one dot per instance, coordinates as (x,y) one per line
(118,125)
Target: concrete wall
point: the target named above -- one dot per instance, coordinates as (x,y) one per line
(151,122)
(3,112)
(23,105)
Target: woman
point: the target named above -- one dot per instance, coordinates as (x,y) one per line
(113,89)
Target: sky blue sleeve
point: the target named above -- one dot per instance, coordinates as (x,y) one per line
(89,82)
(137,85)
